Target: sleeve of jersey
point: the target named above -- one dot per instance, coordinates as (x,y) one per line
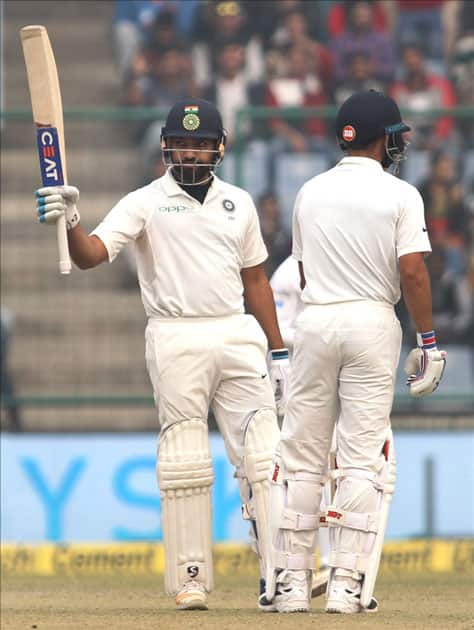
(254,250)
(297,245)
(124,223)
(412,234)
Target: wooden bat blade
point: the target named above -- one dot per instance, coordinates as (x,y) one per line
(43,83)
(47,110)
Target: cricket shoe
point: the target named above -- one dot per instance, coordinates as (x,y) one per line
(192,596)
(292,591)
(264,604)
(342,600)
(320,581)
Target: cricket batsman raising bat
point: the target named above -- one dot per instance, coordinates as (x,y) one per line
(199,252)
(48,117)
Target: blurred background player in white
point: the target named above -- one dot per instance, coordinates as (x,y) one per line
(285,284)
(358,233)
(199,254)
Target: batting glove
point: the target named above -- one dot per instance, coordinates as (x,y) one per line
(279,373)
(425,365)
(55,201)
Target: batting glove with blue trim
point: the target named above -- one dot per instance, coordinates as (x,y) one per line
(55,201)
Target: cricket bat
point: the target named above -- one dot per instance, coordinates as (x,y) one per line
(47,110)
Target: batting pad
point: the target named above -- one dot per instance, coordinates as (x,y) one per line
(185,477)
(261,437)
(371,494)
(295,499)
(389,477)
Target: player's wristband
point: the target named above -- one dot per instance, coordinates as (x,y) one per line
(279,354)
(426,340)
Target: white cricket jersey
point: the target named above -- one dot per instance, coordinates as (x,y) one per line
(189,255)
(351,224)
(285,284)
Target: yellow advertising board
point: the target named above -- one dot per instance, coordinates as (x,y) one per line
(412,556)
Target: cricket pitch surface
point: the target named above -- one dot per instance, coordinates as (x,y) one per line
(434,602)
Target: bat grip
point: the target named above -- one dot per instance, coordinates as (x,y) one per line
(63,247)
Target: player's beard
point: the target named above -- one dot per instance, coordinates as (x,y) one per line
(189,174)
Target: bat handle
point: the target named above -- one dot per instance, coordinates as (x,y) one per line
(63,247)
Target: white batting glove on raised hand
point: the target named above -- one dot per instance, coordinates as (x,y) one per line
(55,201)
(425,365)
(279,372)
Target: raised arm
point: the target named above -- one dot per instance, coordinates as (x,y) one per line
(86,251)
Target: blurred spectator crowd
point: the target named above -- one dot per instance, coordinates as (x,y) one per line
(294,53)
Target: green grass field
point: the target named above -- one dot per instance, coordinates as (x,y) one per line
(436,602)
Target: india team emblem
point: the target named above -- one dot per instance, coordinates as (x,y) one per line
(191,119)
(228,205)
(348,133)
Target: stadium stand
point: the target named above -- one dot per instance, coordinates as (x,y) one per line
(97,326)
(82,336)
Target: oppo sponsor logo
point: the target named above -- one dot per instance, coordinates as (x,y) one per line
(176,209)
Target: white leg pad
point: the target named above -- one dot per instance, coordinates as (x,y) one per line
(327,496)
(389,479)
(323,530)
(185,477)
(356,538)
(260,440)
(294,521)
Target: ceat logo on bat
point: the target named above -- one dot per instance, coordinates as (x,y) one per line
(49,156)
(348,133)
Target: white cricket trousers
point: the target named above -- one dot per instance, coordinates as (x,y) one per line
(344,365)
(200,363)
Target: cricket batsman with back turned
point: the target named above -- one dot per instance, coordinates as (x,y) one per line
(359,235)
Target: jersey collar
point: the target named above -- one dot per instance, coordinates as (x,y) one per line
(355,160)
